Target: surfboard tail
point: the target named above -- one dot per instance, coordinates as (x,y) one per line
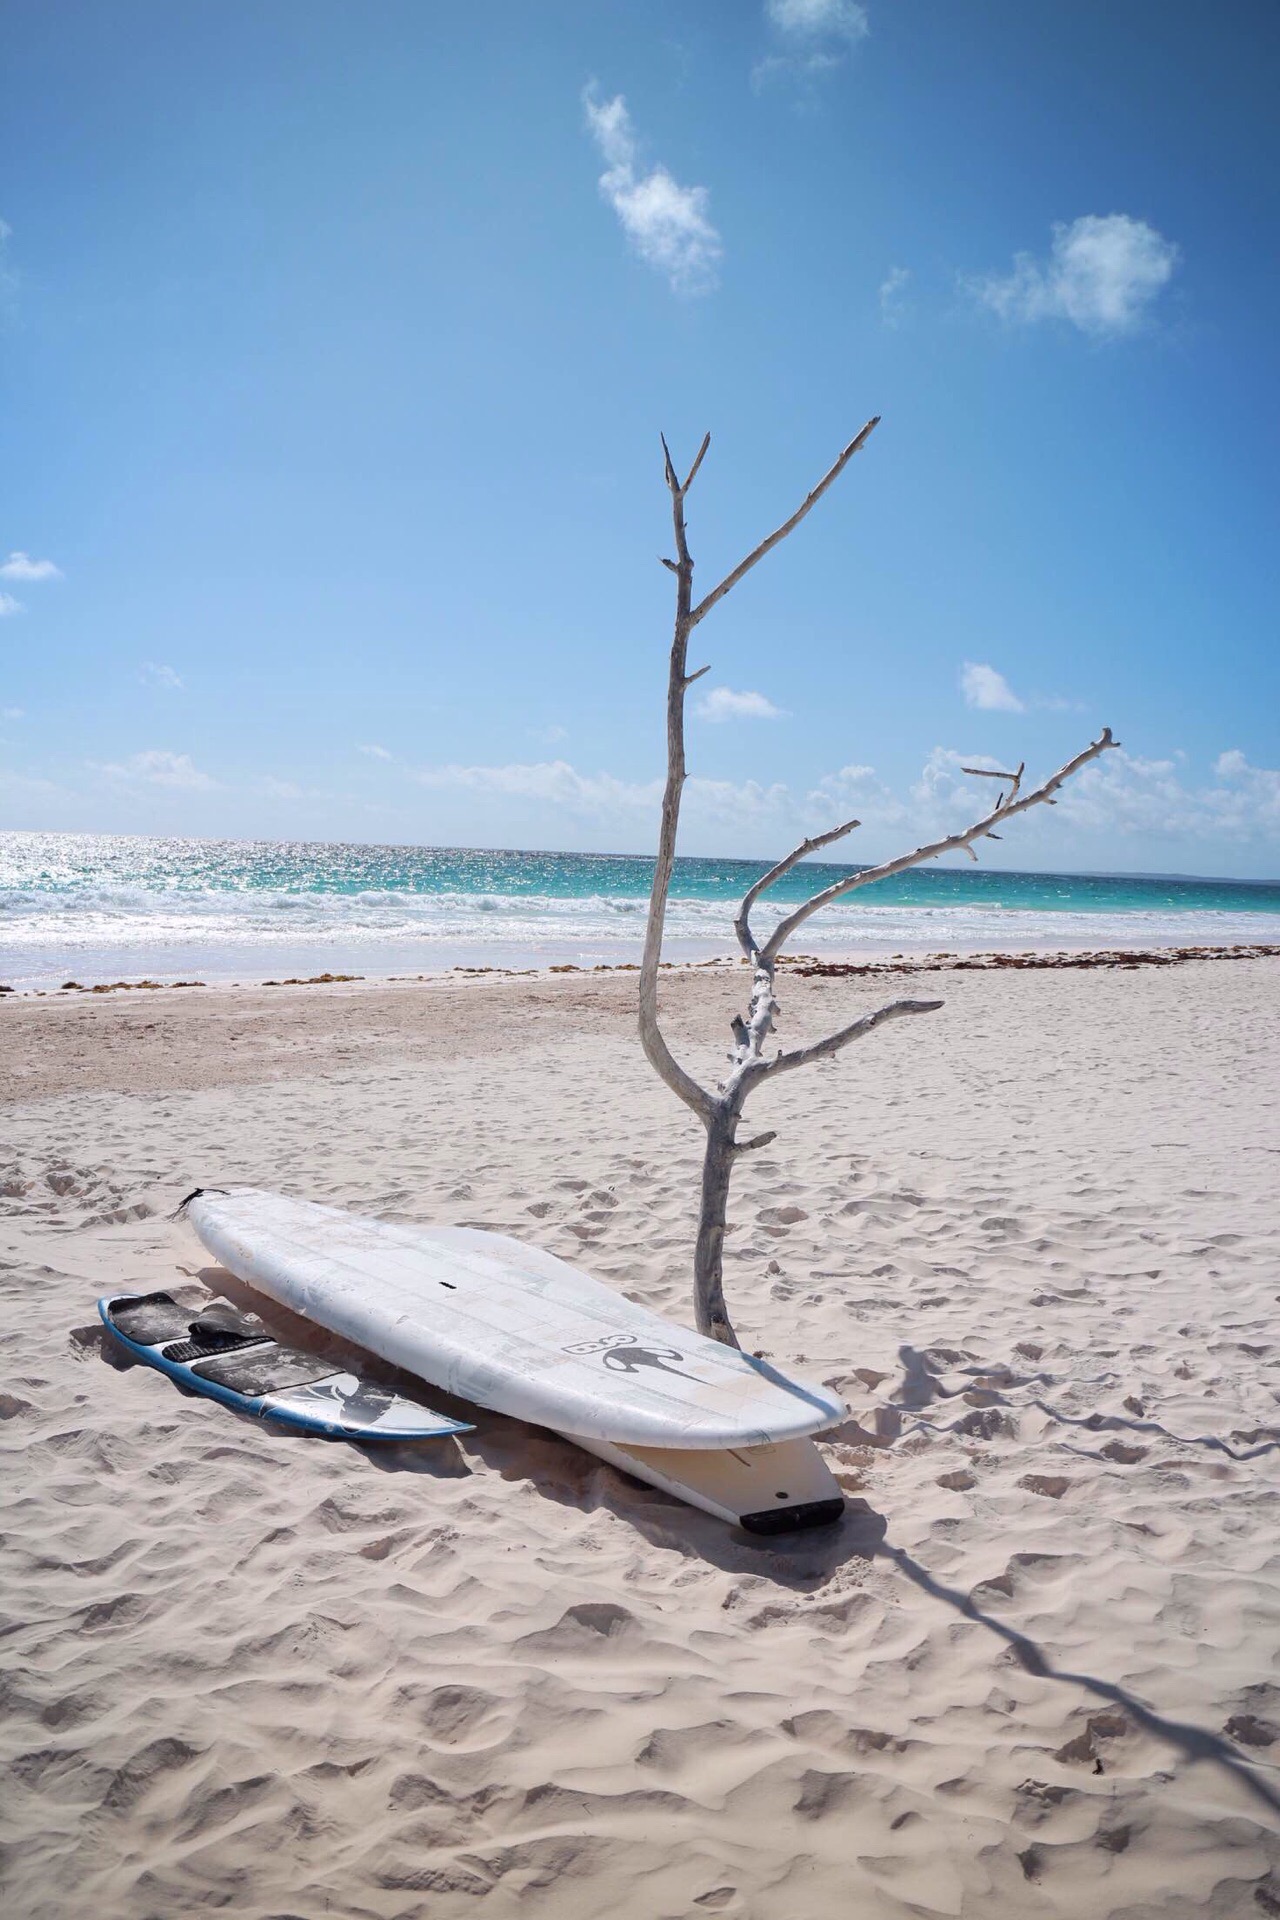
(781,1488)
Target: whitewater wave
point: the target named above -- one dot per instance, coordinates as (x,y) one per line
(59,927)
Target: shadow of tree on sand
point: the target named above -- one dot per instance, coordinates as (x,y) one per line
(921,1387)
(1196,1743)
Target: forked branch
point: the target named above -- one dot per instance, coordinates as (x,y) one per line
(1004,809)
(720,1111)
(742,921)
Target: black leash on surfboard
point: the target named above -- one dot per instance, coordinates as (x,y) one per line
(193,1195)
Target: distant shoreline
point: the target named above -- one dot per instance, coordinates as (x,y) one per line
(807,965)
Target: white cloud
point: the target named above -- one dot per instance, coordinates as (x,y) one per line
(550,735)
(741,806)
(20,566)
(893,301)
(817,35)
(1125,793)
(153,674)
(9,605)
(159,768)
(945,797)
(666,223)
(552,781)
(12,713)
(814,19)
(988,690)
(852,791)
(24,786)
(605,799)
(722,703)
(1102,274)
(1254,787)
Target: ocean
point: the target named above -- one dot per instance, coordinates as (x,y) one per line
(103,907)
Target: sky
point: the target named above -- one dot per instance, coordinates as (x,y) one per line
(336,341)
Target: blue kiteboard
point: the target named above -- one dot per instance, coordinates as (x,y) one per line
(231,1357)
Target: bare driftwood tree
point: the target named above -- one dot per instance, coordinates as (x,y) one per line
(720,1110)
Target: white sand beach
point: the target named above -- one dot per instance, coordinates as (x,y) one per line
(1033,1240)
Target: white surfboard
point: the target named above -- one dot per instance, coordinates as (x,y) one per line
(511,1327)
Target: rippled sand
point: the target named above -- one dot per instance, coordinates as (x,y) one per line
(1033,1240)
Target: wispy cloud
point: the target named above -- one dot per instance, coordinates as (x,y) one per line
(21,787)
(605,799)
(722,703)
(826,19)
(1141,795)
(852,790)
(552,781)
(12,713)
(153,674)
(988,690)
(376,752)
(667,224)
(8,605)
(816,35)
(1102,275)
(158,768)
(20,566)
(1256,786)
(550,735)
(894,306)
(273,789)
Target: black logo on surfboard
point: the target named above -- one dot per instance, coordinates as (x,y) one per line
(630,1359)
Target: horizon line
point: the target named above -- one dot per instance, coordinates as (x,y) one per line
(573,853)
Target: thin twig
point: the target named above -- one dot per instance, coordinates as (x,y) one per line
(821,1049)
(811,500)
(693,471)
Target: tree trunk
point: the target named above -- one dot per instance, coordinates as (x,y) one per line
(708,1260)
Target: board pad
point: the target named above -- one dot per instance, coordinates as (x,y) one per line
(232,1358)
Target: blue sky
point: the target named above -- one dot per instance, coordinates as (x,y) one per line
(336,343)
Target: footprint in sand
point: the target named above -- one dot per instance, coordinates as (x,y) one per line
(1099,1727)
(986,1423)
(1250,1731)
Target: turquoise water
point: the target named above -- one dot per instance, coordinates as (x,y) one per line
(96,906)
